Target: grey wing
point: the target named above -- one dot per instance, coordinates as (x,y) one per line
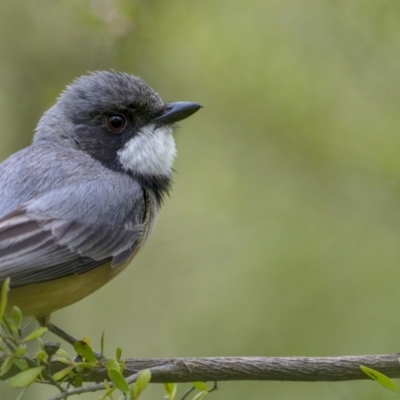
(67,218)
(36,249)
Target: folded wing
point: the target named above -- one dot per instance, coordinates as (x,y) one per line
(36,249)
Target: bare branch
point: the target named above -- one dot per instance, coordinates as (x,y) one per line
(306,369)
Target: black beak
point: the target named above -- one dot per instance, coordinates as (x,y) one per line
(175,112)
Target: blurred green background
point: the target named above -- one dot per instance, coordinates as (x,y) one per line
(281,236)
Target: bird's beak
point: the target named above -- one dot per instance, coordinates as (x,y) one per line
(175,112)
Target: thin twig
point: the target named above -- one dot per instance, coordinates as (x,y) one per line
(184,397)
(95,388)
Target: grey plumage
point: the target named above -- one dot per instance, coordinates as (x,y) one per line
(49,227)
(86,191)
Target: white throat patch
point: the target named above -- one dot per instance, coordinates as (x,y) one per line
(151,151)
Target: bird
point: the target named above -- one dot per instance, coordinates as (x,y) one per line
(78,204)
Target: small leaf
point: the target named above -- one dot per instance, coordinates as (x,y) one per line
(109,393)
(21,363)
(118,380)
(3,297)
(14,328)
(85,365)
(41,356)
(20,351)
(24,378)
(170,388)
(63,360)
(111,363)
(141,383)
(84,350)
(200,386)
(102,344)
(16,315)
(9,326)
(122,366)
(381,379)
(106,384)
(78,381)
(62,374)
(118,353)
(63,353)
(6,365)
(35,334)
(109,390)
(86,340)
(41,344)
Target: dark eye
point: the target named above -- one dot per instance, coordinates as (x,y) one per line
(116,122)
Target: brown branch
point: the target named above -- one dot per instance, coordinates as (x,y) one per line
(305,369)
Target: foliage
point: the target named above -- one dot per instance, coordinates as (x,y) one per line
(36,369)
(380,378)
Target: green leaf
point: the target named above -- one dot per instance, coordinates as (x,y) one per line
(85,365)
(381,379)
(107,385)
(20,351)
(111,363)
(62,353)
(84,350)
(78,381)
(9,325)
(24,378)
(40,344)
(41,356)
(122,366)
(3,297)
(16,315)
(109,393)
(58,376)
(6,365)
(200,386)
(12,326)
(102,344)
(35,334)
(109,390)
(118,353)
(118,380)
(170,388)
(63,360)
(21,363)
(141,383)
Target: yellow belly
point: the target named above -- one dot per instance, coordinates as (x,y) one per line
(41,299)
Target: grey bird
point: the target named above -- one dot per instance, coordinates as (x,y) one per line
(78,203)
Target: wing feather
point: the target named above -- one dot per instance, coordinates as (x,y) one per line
(62,212)
(35,249)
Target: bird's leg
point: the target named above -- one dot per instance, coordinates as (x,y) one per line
(44,321)
(61,334)
(69,339)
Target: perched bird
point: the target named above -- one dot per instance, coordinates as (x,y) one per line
(78,203)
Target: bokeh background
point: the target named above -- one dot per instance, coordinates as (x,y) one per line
(282,233)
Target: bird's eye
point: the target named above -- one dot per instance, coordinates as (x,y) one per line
(116,122)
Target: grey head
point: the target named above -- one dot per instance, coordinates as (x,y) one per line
(120,121)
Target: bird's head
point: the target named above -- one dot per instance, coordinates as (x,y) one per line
(119,120)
